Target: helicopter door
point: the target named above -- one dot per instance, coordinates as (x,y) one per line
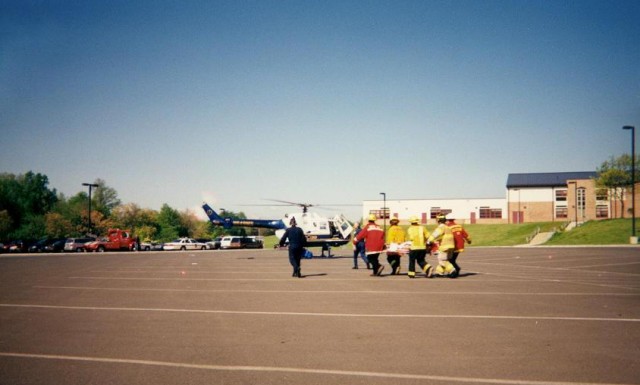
(343,225)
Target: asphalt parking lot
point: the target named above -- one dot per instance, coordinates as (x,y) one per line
(515,316)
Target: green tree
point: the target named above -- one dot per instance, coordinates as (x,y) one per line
(57,226)
(71,210)
(31,227)
(143,222)
(36,198)
(6,224)
(25,198)
(104,198)
(614,175)
(147,233)
(170,224)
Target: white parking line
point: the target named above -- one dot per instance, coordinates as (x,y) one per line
(273,369)
(352,315)
(471,293)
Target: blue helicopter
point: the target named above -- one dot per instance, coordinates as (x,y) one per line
(320,231)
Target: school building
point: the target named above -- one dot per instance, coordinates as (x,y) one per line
(530,197)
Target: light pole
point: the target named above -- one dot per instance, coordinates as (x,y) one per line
(90,185)
(633,178)
(384,213)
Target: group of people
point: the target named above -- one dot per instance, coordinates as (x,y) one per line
(445,243)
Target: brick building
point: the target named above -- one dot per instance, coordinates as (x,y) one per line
(563,197)
(530,197)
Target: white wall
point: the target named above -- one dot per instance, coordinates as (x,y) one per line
(461,208)
(545,194)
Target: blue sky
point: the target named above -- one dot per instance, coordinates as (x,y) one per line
(326,102)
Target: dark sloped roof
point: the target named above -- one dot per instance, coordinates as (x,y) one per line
(547,179)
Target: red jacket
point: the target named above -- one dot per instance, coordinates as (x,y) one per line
(373,237)
(460,235)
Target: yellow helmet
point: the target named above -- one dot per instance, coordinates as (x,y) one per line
(413,219)
(441,218)
(372,217)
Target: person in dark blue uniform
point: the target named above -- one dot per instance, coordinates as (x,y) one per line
(297,243)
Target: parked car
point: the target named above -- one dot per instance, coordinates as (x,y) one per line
(230,242)
(4,247)
(38,247)
(41,245)
(216,243)
(21,246)
(238,242)
(252,243)
(184,244)
(56,246)
(207,242)
(150,246)
(77,244)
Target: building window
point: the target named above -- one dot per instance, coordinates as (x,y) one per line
(602,195)
(380,214)
(582,201)
(602,211)
(561,195)
(435,211)
(562,212)
(487,212)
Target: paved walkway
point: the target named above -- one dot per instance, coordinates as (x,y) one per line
(541,238)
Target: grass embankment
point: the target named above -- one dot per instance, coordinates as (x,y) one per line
(605,232)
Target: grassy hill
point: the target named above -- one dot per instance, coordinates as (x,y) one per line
(605,232)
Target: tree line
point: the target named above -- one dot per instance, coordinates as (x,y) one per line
(30,209)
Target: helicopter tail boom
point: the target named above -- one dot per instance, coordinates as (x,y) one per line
(227,223)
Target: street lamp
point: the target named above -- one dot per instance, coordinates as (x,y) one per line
(90,185)
(633,178)
(384,212)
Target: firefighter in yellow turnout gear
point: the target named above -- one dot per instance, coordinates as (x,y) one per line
(395,239)
(443,245)
(418,236)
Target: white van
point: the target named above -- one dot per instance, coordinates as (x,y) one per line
(230,242)
(76,244)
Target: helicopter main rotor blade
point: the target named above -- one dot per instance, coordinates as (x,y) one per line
(291,203)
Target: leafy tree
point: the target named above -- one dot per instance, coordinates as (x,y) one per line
(25,199)
(614,175)
(36,198)
(147,233)
(32,227)
(143,222)
(104,198)
(72,211)
(57,226)
(196,228)
(6,224)
(170,224)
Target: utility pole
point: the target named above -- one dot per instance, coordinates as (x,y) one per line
(90,185)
